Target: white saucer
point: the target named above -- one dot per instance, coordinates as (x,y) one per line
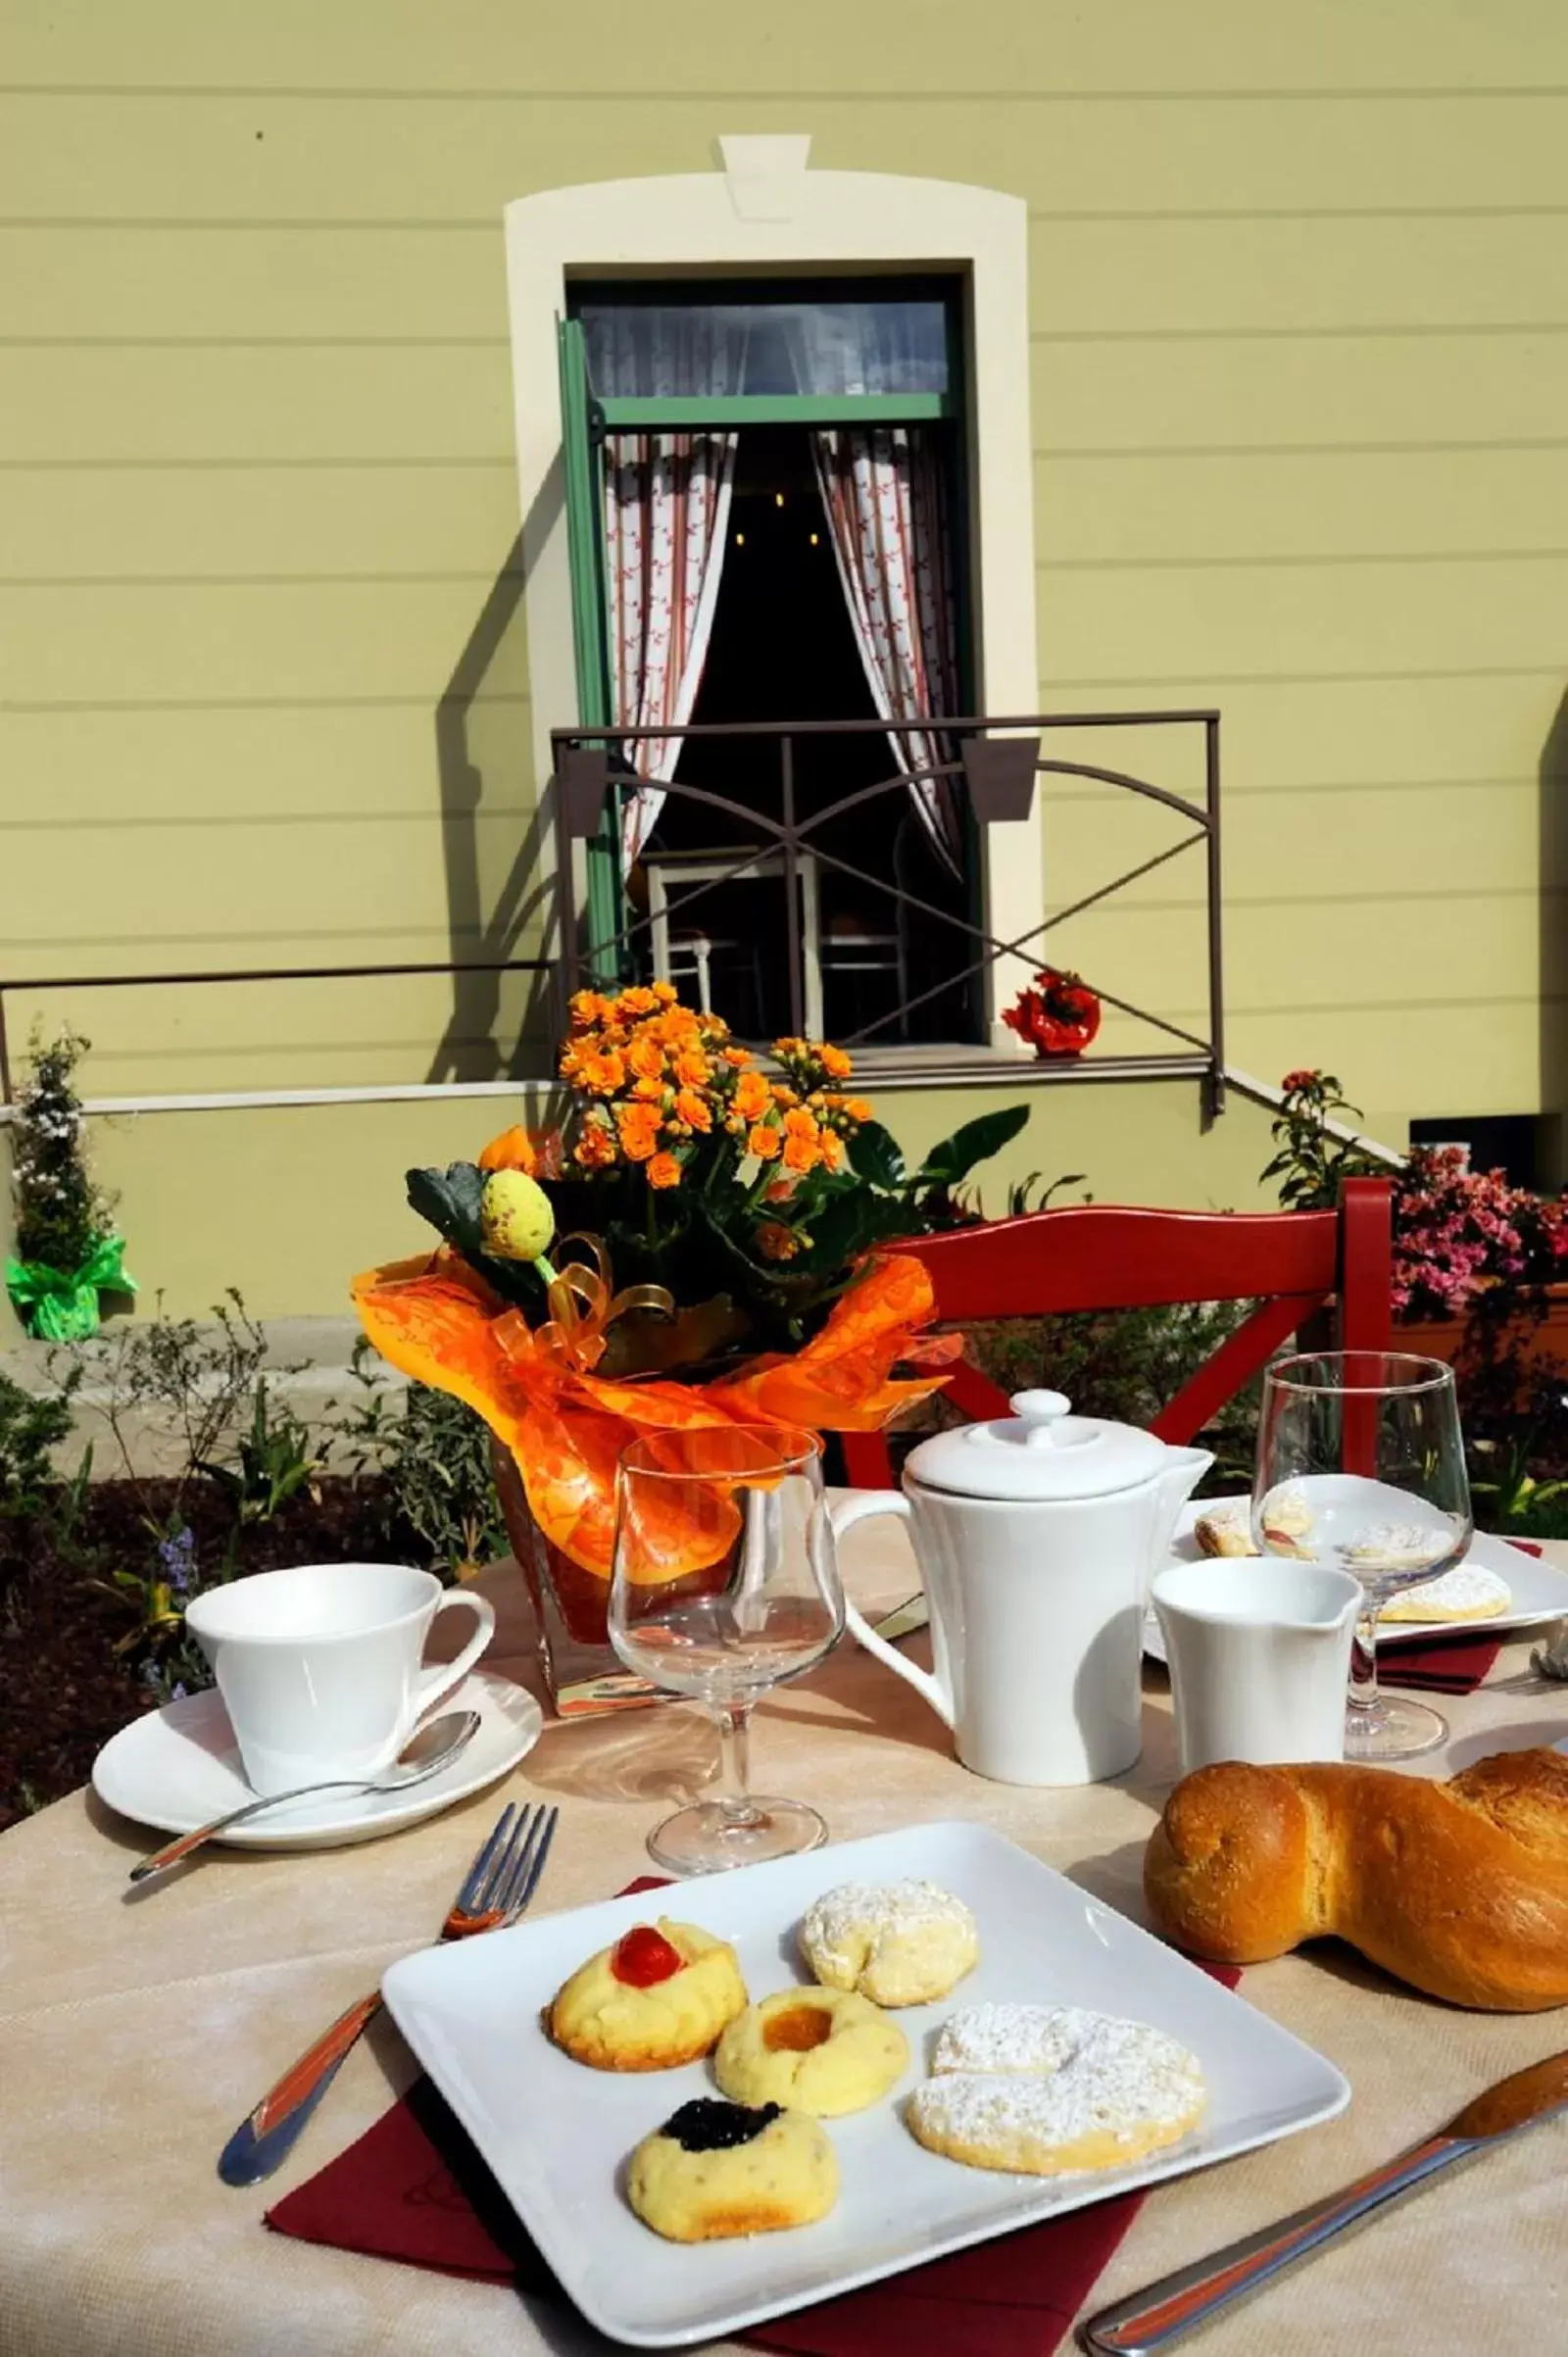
(178,1768)
(1538,1591)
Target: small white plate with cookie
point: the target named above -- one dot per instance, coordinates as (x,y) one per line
(1069,2056)
(1497,1589)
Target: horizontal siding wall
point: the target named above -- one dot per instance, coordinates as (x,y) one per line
(1300,338)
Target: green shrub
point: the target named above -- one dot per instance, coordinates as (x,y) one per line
(1122,1365)
(432,1455)
(61,1213)
(30,1429)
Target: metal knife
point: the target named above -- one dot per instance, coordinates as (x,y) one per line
(1166,2311)
(914,1613)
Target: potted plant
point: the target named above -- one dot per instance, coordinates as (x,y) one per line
(67,1253)
(1474,1254)
(1477,1261)
(694,1244)
(1058,1016)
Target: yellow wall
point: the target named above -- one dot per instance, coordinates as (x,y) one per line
(288,1203)
(1300,371)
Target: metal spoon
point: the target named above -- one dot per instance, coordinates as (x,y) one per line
(427,1752)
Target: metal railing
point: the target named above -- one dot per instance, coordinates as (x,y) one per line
(993,760)
(231,974)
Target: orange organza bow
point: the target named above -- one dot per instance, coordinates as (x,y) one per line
(436,1320)
(584,1303)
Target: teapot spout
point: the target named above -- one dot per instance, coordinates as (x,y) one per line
(1183,1470)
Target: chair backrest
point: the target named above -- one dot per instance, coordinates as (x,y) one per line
(1094,1257)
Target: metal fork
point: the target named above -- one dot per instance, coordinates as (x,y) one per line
(493,1892)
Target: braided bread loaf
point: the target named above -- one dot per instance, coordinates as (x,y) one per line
(1460,1888)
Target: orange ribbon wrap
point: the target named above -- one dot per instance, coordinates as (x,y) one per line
(436,1320)
(584,1304)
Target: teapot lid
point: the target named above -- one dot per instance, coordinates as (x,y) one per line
(1041,1451)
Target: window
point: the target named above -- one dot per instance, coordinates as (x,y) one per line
(775,346)
(766,512)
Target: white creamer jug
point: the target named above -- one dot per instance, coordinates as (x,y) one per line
(1037,1536)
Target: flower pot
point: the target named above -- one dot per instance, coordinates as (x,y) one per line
(1058,1018)
(1536,1342)
(582,1670)
(1054,1038)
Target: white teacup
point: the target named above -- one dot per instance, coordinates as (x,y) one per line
(1260,1655)
(320,1667)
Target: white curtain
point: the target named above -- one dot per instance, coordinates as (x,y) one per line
(881,347)
(882,490)
(666,512)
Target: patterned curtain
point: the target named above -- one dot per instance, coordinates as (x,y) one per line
(883,492)
(666,509)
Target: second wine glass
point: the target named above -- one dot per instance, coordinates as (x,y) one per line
(1360,1464)
(725,1583)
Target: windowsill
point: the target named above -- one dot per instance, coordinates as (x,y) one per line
(881,1067)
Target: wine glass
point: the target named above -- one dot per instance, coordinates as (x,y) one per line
(1361,1466)
(725,1582)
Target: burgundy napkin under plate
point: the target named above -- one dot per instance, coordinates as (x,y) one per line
(1443,1665)
(414,2189)
(1454,1664)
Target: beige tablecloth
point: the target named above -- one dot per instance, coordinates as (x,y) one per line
(135,2035)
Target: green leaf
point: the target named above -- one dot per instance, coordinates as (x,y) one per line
(449,1201)
(877,1155)
(951,1162)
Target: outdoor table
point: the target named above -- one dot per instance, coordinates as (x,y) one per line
(135,2035)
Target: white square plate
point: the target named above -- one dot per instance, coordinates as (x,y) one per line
(557,2135)
(1538,1590)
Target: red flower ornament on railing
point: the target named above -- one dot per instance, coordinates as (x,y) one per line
(1058,1016)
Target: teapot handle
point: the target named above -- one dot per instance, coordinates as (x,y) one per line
(844,1517)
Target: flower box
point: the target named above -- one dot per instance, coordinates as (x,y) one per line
(1536,1343)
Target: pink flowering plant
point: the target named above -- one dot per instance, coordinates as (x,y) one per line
(1457,1233)
(1460,1236)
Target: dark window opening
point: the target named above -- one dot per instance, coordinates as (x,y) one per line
(1516,1144)
(783,649)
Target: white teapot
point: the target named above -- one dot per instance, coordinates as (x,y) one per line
(1036,1537)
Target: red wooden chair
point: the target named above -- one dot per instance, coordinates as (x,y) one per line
(1099,1257)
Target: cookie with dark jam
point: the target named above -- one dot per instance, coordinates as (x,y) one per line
(707,2125)
(717,2169)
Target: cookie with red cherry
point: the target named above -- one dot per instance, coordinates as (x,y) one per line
(661,1996)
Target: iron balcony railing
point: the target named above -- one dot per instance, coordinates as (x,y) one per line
(995,761)
(55,984)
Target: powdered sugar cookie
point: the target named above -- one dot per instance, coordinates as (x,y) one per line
(1049,2089)
(1226,1529)
(1467,1593)
(1393,1547)
(899,1944)
(1286,1521)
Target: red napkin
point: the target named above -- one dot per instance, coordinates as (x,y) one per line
(1445,1665)
(414,2189)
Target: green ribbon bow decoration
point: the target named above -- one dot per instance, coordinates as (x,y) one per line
(58,1307)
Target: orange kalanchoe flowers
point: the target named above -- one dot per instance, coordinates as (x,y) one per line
(664,1084)
(670,1080)
(638,1126)
(514,1150)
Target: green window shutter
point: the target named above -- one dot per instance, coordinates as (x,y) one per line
(582,453)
